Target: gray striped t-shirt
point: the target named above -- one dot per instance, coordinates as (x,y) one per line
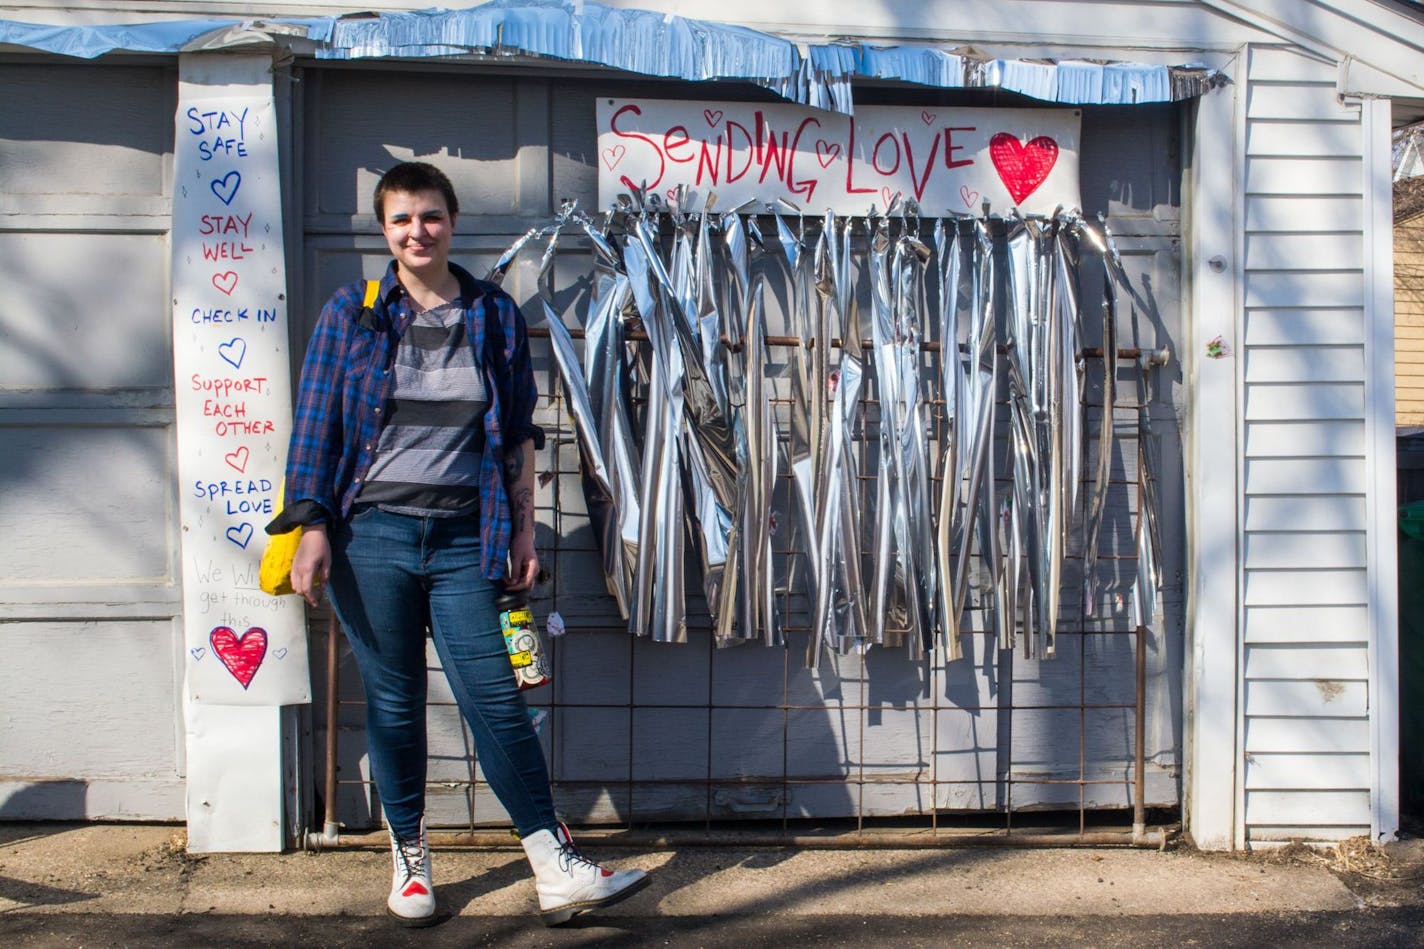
(427,461)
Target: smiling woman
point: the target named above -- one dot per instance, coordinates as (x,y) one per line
(411,470)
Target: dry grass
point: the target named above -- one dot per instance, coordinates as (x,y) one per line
(1356,856)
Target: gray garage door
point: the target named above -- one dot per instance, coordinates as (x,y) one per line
(641,731)
(89,599)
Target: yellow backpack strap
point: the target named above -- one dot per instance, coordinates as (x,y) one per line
(366,319)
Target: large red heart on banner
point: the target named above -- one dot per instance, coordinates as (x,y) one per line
(1022,167)
(241,654)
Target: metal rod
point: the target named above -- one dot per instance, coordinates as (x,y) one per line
(1155,357)
(330,835)
(910,839)
(1139,791)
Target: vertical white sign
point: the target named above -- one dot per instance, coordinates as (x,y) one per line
(234,401)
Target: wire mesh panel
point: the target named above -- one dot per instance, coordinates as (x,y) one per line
(641,731)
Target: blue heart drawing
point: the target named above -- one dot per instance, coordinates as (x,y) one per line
(226,186)
(197,652)
(280,653)
(240,534)
(234,351)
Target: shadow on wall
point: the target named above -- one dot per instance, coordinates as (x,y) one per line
(43,800)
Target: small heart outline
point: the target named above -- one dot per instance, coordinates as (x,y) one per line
(612,156)
(220,185)
(234,351)
(241,535)
(226,281)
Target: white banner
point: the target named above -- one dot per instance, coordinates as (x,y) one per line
(234,402)
(945,159)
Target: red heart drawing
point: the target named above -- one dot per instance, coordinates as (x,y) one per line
(713,116)
(226,282)
(672,195)
(241,654)
(928,117)
(889,196)
(612,156)
(970,198)
(827,152)
(1022,167)
(237,460)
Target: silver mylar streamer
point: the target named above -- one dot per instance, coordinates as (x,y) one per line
(838,614)
(1097,501)
(807,403)
(887,592)
(842,463)
(605,368)
(1018,524)
(915,578)
(708,438)
(758,610)
(1071,367)
(1149,569)
(953,394)
(659,607)
(981,512)
(710,451)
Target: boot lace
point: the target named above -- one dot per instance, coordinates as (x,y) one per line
(411,855)
(569,857)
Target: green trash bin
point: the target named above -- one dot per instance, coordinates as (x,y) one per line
(1411,658)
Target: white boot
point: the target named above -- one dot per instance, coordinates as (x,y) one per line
(569,883)
(412,899)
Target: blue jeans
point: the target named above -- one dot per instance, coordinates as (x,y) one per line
(392,576)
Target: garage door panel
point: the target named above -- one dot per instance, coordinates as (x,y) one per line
(86,504)
(116,149)
(86,478)
(370,121)
(109,694)
(108,330)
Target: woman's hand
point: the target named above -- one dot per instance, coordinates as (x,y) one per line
(312,565)
(525,561)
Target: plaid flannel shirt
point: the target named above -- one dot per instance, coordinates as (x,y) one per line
(347,378)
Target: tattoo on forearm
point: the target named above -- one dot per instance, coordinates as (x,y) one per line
(523,510)
(513,465)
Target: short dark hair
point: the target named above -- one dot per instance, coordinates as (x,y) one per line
(409,177)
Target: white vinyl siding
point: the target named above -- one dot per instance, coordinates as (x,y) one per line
(1304,549)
